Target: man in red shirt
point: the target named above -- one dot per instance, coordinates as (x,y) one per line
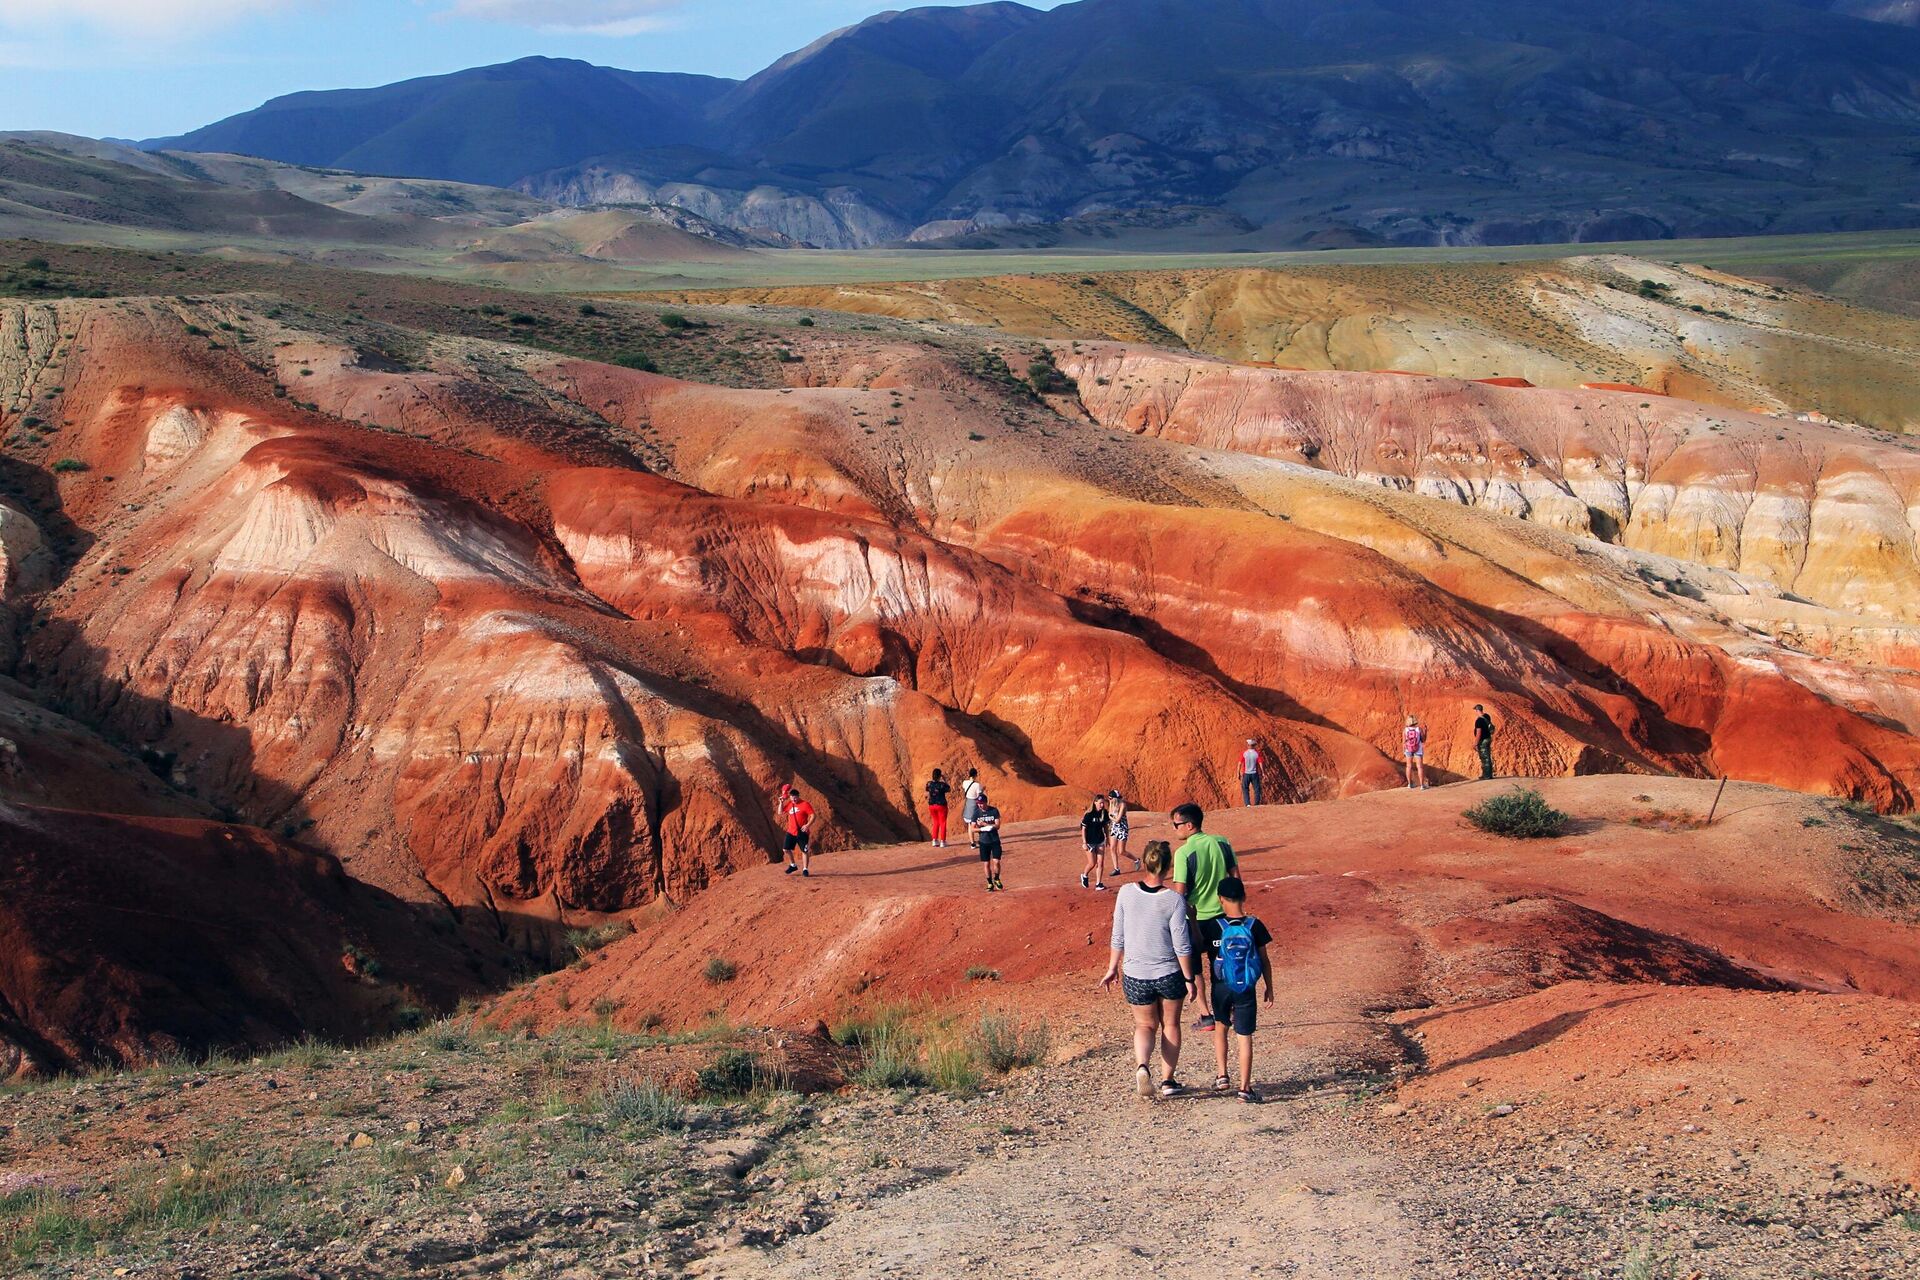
(799,833)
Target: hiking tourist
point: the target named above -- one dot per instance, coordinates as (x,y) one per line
(1483,741)
(986,821)
(1240,962)
(937,789)
(1250,762)
(1093,835)
(799,833)
(1152,954)
(1118,830)
(1199,866)
(970,793)
(782,802)
(1413,747)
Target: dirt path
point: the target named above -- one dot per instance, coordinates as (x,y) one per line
(1281,1195)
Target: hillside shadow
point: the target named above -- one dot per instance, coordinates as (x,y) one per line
(1541,1033)
(1113,617)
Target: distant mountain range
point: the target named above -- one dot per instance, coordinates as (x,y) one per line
(1262,123)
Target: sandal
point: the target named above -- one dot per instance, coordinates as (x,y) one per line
(1169,1087)
(1221,1084)
(1143,1082)
(1246,1095)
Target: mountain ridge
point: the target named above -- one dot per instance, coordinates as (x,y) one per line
(1387,122)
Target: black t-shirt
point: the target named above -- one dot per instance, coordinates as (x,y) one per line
(1483,728)
(1261,937)
(937,791)
(1093,825)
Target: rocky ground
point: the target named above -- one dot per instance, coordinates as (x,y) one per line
(458,1152)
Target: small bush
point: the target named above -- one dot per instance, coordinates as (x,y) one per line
(588,309)
(980,973)
(523,319)
(734,1074)
(805,322)
(720,969)
(637,360)
(66,465)
(953,1069)
(586,941)
(1004,1044)
(892,1059)
(451,1035)
(674,320)
(1522,813)
(37,264)
(643,1103)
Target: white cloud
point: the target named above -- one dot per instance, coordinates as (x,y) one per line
(592,17)
(132,16)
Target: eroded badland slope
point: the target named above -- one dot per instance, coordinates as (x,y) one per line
(526,640)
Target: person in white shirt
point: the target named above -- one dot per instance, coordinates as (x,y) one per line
(1250,762)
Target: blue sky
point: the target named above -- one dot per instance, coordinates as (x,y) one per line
(145,68)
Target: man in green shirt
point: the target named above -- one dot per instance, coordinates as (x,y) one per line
(1199,865)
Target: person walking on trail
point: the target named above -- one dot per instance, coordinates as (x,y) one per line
(1093,835)
(1483,741)
(782,801)
(799,834)
(1199,866)
(937,789)
(1250,762)
(986,821)
(970,793)
(1239,964)
(1152,954)
(1413,746)
(1118,830)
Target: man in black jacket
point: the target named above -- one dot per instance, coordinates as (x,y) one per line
(1483,741)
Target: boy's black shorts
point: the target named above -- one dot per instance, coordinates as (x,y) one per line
(802,841)
(989,847)
(1236,1008)
(1205,935)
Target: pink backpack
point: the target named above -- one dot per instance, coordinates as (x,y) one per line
(1416,738)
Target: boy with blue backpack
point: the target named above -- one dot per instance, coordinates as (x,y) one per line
(1239,964)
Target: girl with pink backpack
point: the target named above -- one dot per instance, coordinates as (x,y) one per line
(1413,746)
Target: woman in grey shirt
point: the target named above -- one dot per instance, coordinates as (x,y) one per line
(1153,958)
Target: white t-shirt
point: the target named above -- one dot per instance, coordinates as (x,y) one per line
(1250,760)
(971,788)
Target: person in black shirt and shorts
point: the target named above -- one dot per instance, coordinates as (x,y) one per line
(1094,830)
(986,825)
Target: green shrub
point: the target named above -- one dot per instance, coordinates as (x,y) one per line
(1004,1044)
(734,1074)
(674,320)
(585,941)
(588,309)
(720,969)
(637,360)
(953,1069)
(644,1103)
(1522,813)
(805,322)
(70,464)
(892,1060)
(523,319)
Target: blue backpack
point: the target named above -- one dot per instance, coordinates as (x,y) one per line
(1237,960)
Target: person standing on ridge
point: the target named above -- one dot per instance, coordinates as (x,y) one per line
(937,789)
(781,803)
(1199,866)
(1483,741)
(986,821)
(1413,748)
(1093,836)
(799,834)
(1152,955)
(970,794)
(1118,830)
(1250,762)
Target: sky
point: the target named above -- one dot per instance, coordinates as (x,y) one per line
(151,68)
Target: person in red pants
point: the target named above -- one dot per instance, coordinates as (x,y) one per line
(937,790)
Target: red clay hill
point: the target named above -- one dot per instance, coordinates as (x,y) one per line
(525,640)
